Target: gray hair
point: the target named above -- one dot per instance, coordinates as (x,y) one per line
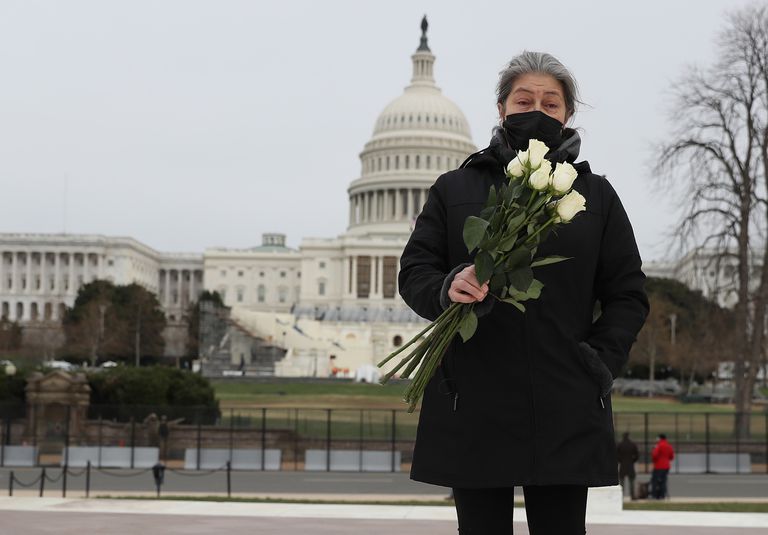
(543,63)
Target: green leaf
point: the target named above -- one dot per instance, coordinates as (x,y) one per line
(498,281)
(468,326)
(514,222)
(483,266)
(534,290)
(547,260)
(519,257)
(521,278)
(474,229)
(503,293)
(491,197)
(487,212)
(517,305)
(518,296)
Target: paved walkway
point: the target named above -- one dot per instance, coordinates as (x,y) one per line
(39,516)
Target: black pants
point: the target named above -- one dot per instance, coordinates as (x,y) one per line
(551,510)
(659,483)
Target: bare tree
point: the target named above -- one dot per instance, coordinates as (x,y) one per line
(718,156)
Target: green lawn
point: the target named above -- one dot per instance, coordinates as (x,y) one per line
(242,394)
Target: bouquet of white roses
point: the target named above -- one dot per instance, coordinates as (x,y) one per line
(516,218)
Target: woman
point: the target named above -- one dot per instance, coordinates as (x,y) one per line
(526,401)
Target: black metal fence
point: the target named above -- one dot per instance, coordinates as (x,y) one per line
(325,439)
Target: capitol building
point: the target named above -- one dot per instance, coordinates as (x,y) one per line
(329,307)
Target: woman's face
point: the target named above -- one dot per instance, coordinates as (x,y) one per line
(532,92)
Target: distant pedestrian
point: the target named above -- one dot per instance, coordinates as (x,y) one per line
(661,455)
(627,454)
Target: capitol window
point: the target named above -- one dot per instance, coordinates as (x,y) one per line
(322,265)
(407,161)
(239,295)
(223,272)
(397,162)
(429,162)
(321,288)
(387,163)
(282,274)
(418,162)
(239,273)
(261,293)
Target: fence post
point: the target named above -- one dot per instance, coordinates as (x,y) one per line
(66,436)
(360,441)
(2,441)
(706,441)
(645,440)
(296,440)
(231,432)
(199,438)
(101,423)
(677,443)
(88,479)
(229,479)
(393,436)
(64,482)
(10,484)
(42,482)
(133,438)
(738,445)
(34,433)
(328,441)
(263,436)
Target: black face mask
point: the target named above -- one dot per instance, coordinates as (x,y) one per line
(519,128)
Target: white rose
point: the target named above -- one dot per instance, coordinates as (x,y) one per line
(516,168)
(540,179)
(563,177)
(570,205)
(536,151)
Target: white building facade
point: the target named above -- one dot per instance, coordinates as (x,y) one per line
(340,293)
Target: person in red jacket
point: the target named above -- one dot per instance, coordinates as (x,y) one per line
(661,455)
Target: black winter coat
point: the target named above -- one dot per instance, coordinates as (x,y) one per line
(515,404)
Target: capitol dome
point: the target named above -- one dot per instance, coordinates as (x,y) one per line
(417,137)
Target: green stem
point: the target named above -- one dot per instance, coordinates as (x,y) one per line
(538,231)
(416,355)
(431,360)
(447,312)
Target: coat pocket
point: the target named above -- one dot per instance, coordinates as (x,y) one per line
(596,368)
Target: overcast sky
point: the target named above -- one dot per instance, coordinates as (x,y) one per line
(190,124)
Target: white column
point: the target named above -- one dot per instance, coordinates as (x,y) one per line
(15,273)
(57,274)
(3,286)
(71,273)
(408,204)
(398,205)
(372,283)
(387,206)
(167,289)
(369,202)
(28,290)
(351,210)
(191,288)
(179,284)
(43,286)
(379,281)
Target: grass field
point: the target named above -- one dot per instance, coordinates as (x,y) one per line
(366,410)
(242,394)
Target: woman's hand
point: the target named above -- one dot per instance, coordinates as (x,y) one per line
(465,287)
